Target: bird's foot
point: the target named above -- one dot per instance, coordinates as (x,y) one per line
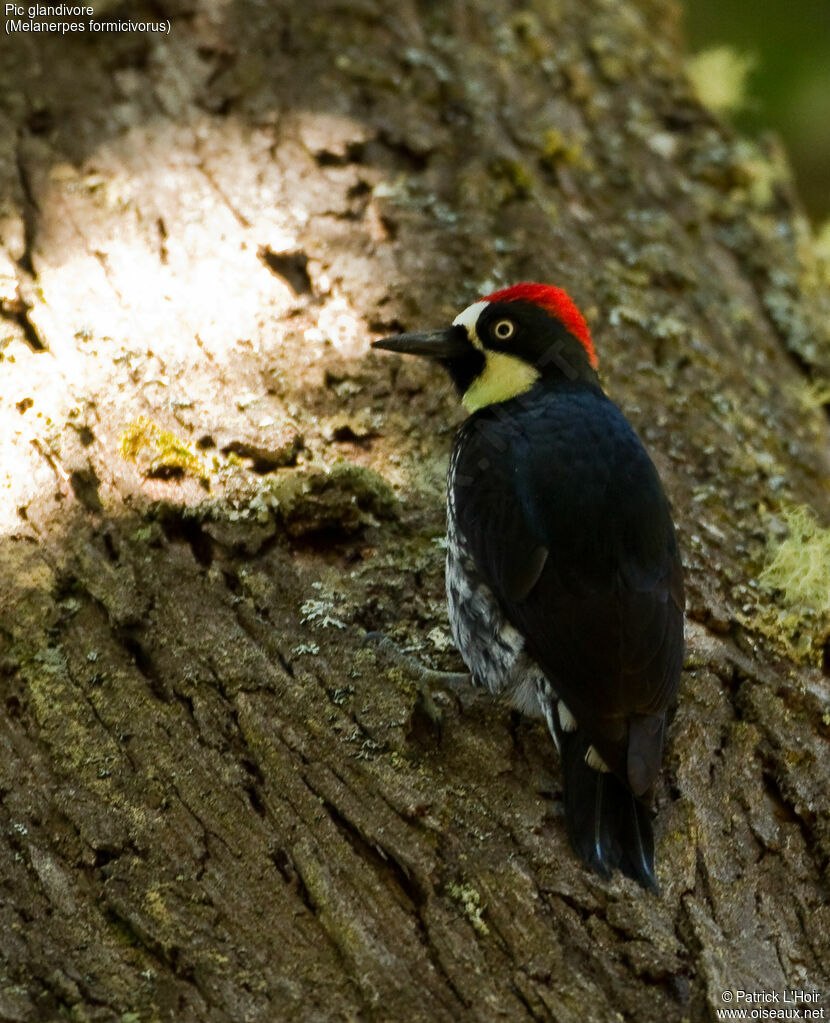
(425,674)
(429,680)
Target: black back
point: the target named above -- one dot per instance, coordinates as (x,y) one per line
(566,519)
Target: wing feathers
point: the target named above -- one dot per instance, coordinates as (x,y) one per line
(571,530)
(520,578)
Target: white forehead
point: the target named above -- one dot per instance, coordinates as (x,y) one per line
(469,318)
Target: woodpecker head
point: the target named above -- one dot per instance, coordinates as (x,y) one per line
(500,346)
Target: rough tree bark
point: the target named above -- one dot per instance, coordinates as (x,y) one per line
(217,803)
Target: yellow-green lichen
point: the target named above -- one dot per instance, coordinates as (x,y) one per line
(797,574)
(160,451)
(154,901)
(470,901)
(529,31)
(799,566)
(815,395)
(719,76)
(758,173)
(821,244)
(557,150)
(517,181)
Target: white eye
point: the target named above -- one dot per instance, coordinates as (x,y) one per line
(504,329)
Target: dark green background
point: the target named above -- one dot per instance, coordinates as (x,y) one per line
(789,90)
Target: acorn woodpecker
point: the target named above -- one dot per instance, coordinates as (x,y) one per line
(564,580)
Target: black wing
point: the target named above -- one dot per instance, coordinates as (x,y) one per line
(566,519)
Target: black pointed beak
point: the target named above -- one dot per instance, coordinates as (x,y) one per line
(448,343)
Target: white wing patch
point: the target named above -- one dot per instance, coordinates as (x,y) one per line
(567,722)
(593,759)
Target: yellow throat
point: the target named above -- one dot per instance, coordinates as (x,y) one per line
(503,377)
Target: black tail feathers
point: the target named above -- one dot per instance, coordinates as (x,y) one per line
(608,826)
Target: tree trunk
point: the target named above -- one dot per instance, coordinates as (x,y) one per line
(219,803)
